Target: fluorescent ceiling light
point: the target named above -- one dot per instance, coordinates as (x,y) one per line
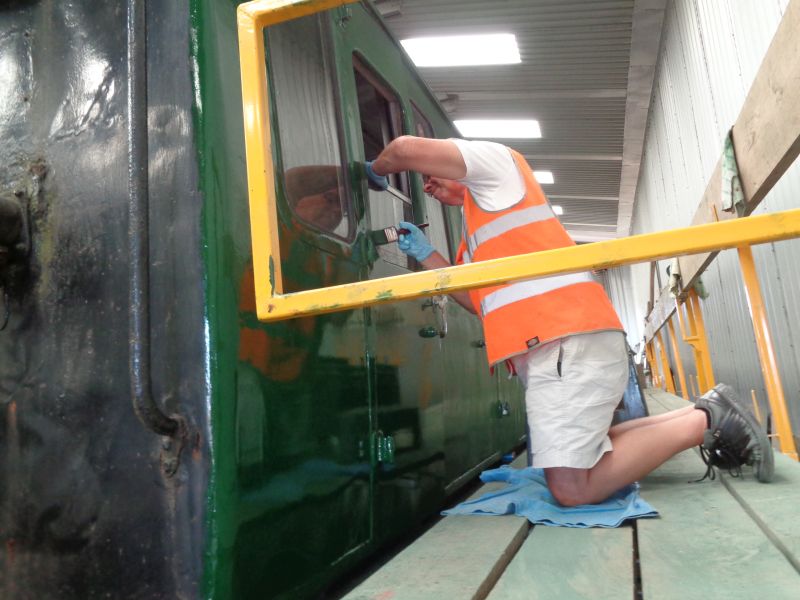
(559,210)
(499,128)
(544,177)
(463,50)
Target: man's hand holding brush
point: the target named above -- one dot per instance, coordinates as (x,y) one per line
(413,242)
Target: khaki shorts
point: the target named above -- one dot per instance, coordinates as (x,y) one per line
(569,413)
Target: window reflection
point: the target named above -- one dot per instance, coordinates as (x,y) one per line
(316,194)
(308,125)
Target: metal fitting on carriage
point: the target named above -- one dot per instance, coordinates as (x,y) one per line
(14,238)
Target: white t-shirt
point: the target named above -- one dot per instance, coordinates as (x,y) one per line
(492,175)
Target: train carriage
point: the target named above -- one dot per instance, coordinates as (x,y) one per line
(268,459)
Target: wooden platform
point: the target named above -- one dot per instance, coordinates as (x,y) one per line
(728,538)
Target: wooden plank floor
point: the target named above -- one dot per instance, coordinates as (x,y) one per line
(460,557)
(773,506)
(728,538)
(706,543)
(561,563)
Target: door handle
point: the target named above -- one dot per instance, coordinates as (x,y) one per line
(438,304)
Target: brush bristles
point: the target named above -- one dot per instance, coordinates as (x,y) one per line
(391,234)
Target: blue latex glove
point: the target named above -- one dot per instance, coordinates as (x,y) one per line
(415,243)
(376,182)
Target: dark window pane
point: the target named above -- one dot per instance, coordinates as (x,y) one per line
(308,128)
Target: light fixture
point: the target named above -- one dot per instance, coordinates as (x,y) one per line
(499,128)
(463,50)
(558,209)
(544,177)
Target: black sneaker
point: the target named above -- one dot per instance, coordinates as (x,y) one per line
(734,437)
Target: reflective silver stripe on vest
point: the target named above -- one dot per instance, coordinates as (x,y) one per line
(466,256)
(529,288)
(518,218)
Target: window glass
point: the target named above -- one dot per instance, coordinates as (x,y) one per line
(381,122)
(435,209)
(308,126)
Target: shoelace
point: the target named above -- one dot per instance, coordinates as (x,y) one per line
(710,473)
(723,451)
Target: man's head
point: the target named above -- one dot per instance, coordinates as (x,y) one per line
(445,191)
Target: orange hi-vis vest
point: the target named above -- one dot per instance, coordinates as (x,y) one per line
(520,315)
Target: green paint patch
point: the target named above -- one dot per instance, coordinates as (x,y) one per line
(272,275)
(321,308)
(385,295)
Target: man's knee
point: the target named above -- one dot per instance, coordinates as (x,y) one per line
(568,486)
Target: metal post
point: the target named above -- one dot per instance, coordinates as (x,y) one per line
(686,325)
(668,379)
(694,334)
(756,409)
(651,360)
(700,332)
(766,353)
(678,363)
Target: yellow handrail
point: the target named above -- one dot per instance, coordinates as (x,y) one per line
(599,255)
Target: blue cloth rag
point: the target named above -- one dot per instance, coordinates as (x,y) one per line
(527,496)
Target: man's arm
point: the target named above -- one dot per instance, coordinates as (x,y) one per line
(437,261)
(439,158)
(414,243)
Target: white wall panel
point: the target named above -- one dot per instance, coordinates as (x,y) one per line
(711,51)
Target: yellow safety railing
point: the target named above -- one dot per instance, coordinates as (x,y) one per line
(693,332)
(766,354)
(673,340)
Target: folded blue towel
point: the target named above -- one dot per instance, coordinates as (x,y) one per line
(527,496)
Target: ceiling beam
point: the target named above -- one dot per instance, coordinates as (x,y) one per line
(601,157)
(593,198)
(500,95)
(389,8)
(648,22)
(583,235)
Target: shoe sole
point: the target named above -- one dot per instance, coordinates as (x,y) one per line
(764,466)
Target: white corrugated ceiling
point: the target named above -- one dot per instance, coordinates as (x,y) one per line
(575,78)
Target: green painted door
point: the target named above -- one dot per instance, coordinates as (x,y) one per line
(469,390)
(302,416)
(509,426)
(405,342)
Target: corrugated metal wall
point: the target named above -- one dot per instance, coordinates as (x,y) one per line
(710,54)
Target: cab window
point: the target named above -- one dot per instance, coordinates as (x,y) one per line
(308,130)
(436,211)
(381,122)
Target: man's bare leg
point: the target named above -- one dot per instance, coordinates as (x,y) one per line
(644,421)
(637,451)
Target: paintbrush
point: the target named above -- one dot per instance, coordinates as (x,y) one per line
(391,234)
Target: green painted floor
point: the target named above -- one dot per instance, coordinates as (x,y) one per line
(728,538)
